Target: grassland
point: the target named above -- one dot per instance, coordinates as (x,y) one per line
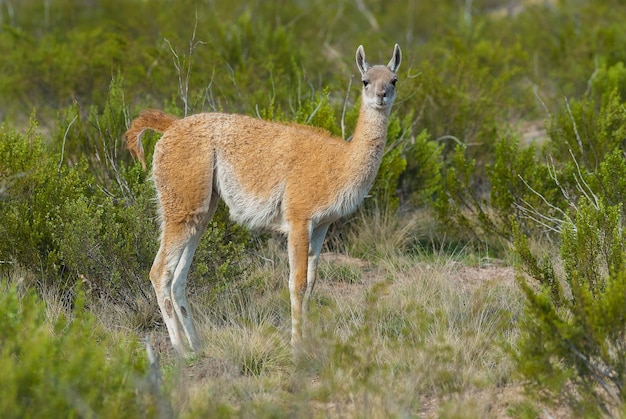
(484,276)
(420,335)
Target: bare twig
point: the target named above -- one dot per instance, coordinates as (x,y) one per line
(536,93)
(571,116)
(450,137)
(598,372)
(555,179)
(184,66)
(67,130)
(535,215)
(360,4)
(584,188)
(552,224)
(593,75)
(343,111)
(317,108)
(208,92)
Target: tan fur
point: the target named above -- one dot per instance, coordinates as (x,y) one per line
(290,178)
(151,119)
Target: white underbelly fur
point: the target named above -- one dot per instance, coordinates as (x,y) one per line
(247,209)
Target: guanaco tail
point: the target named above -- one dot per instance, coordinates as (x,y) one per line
(294,179)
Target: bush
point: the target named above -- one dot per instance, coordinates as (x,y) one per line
(572,344)
(573,333)
(83,214)
(67,366)
(35,188)
(534,185)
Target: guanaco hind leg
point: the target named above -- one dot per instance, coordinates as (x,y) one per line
(179,288)
(161,276)
(179,242)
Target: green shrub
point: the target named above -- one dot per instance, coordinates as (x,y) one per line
(82,213)
(221,257)
(588,129)
(573,331)
(384,191)
(67,366)
(534,185)
(422,177)
(35,187)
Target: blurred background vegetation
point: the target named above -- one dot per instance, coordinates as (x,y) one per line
(509,130)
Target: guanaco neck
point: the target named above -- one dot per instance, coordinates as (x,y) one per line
(368,142)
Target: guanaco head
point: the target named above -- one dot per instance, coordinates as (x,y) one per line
(379,81)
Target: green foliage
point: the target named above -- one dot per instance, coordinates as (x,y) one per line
(455,196)
(534,186)
(96,136)
(609,77)
(221,254)
(587,130)
(84,215)
(66,366)
(467,97)
(75,208)
(515,176)
(56,221)
(383,193)
(610,178)
(573,330)
(35,188)
(422,177)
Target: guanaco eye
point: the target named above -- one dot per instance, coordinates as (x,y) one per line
(393,82)
(365,83)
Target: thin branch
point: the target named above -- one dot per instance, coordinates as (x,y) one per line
(185,65)
(596,70)
(545,201)
(208,92)
(450,137)
(597,372)
(536,93)
(317,108)
(67,130)
(571,116)
(555,179)
(343,112)
(589,191)
(360,4)
(536,216)
(177,65)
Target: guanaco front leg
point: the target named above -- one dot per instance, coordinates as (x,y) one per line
(315,247)
(298,249)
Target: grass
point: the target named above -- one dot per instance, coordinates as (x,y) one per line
(402,335)
(399,334)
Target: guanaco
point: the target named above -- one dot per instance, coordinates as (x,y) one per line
(290,178)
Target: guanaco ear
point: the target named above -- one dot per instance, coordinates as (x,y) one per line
(395,61)
(361,63)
